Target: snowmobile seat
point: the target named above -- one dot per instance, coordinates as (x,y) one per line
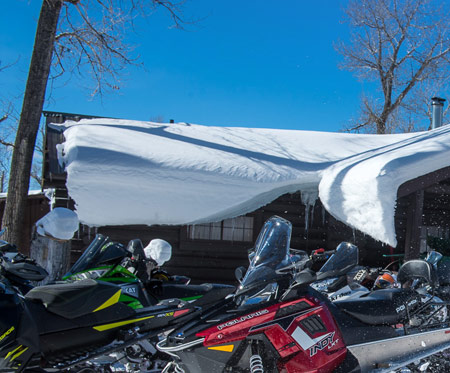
(381,307)
(74,299)
(202,294)
(417,269)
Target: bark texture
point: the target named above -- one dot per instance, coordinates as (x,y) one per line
(51,254)
(30,116)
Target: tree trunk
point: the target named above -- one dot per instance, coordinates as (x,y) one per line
(30,116)
(51,254)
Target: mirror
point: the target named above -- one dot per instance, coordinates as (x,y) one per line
(239,272)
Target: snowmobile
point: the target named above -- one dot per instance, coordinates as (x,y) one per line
(81,325)
(361,280)
(276,322)
(127,266)
(19,270)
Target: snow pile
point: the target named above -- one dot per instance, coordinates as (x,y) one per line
(362,190)
(60,223)
(128,172)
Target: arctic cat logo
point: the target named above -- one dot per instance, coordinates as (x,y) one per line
(243,318)
(403,307)
(106,246)
(8,332)
(326,341)
(130,290)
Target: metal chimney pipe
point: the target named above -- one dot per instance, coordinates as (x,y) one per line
(437,104)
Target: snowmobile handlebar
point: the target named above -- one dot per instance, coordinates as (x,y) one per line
(321,254)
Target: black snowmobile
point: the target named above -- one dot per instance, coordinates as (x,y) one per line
(109,261)
(71,325)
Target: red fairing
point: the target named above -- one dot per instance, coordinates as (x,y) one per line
(303,332)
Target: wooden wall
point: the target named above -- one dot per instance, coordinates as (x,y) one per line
(37,207)
(215,261)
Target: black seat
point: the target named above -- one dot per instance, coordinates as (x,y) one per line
(417,269)
(203,294)
(75,299)
(384,306)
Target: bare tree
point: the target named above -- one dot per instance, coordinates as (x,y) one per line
(8,125)
(401,45)
(73,34)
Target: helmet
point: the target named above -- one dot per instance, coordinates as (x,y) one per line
(385,281)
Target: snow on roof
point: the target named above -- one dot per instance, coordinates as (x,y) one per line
(128,172)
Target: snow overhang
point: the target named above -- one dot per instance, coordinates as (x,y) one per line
(123,172)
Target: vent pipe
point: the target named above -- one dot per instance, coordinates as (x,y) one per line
(437,104)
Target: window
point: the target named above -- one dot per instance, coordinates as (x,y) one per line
(235,229)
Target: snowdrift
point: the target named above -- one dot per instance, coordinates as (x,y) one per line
(130,172)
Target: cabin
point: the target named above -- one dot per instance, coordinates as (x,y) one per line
(211,251)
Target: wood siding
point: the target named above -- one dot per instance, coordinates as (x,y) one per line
(37,207)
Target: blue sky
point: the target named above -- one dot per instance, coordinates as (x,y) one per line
(253,63)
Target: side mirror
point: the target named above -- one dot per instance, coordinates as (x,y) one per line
(306,276)
(239,272)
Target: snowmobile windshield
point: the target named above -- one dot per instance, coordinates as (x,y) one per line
(101,251)
(271,253)
(433,258)
(345,258)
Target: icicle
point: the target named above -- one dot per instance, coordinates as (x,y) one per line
(309,198)
(50,194)
(233,225)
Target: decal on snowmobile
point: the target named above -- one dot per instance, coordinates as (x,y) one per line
(16,352)
(104,327)
(8,332)
(327,341)
(403,307)
(313,344)
(242,319)
(340,295)
(106,246)
(113,300)
(284,322)
(167,314)
(131,290)
(226,348)
(192,299)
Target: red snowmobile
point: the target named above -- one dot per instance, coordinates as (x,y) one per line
(276,322)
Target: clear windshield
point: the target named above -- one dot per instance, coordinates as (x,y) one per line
(270,254)
(101,251)
(346,255)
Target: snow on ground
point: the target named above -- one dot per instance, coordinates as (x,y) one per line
(129,172)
